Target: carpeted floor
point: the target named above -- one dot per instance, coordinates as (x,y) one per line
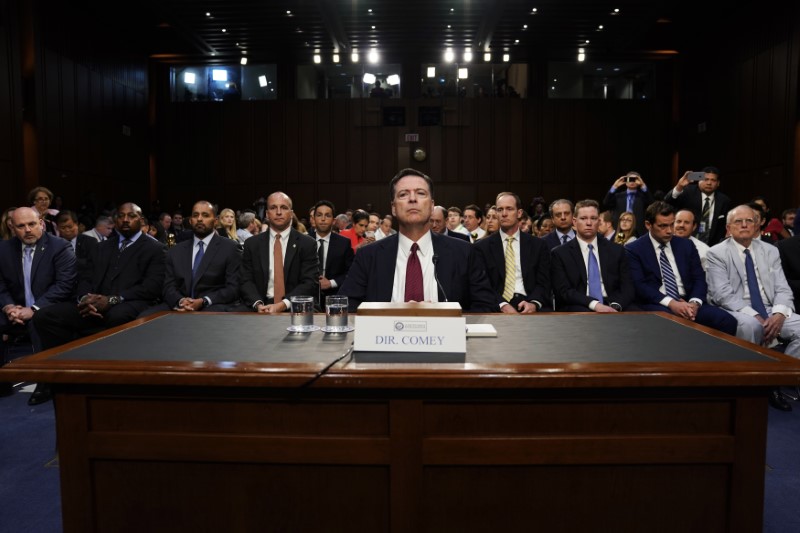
(29,483)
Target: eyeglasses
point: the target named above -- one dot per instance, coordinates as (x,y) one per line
(42,199)
(743,221)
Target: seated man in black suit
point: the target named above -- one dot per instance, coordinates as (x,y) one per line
(37,270)
(82,245)
(439,224)
(202,274)
(124,277)
(417,264)
(278,263)
(517,263)
(561,213)
(591,273)
(334,252)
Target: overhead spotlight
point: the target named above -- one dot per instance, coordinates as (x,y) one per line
(487,56)
(219,74)
(463,74)
(393,79)
(587,41)
(524,26)
(335,58)
(373,56)
(368,78)
(451,10)
(600,27)
(288,12)
(369,10)
(616,11)
(516,41)
(431,72)
(262,81)
(317,59)
(534,10)
(243,61)
(506,58)
(373,27)
(448,55)
(208,14)
(354,56)
(188,78)
(468,55)
(581,54)
(224,30)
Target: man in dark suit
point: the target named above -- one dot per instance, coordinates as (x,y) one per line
(629,194)
(417,264)
(703,198)
(124,276)
(37,270)
(517,263)
(591,273)
(334,252)
(561,213)
(667,274)
(202,274)
(278,263)
(789,250)
(439,224)
(82,245)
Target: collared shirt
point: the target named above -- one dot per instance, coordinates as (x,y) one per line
(702,250)
(710,218)
(243,234)
(519,286)
(585,253)
(570,235)
(206,241)
(33,249)
(74,243)
(678,281)
(93,233)
(325,247)
(133,238)
(782,309)
(425,255)
(284,243)
(477,234)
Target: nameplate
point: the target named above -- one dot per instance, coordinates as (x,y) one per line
(431,334)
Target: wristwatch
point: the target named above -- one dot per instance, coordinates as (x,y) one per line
(113,300)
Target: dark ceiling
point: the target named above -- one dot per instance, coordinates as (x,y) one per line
(402,31)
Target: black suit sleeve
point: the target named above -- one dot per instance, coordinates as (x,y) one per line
(250,289)
(537,279)
(151,263)
(229,292)
(348,262)
(65,273)
(306,281)
(566,280)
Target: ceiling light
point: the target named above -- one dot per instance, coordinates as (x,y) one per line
(243,61)
(487,56)
(369,10)
(587,41)
(524,26)
(581,55)
(534,10)
(373,56)
(600,27)
(288,12)
(219,74)
(354,56)
(451,10)
(463,74)
(448,26)
(224,30)
(373,27)
(262,81)
(516,41)
(208,14)
(449,56)
(616,11)
(335,58)
(506,58)
(431,72)
(553,88)
(317,59)
(467,55)
(393,79)
(369,79)
(188,78)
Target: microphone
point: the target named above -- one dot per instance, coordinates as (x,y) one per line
(436,278)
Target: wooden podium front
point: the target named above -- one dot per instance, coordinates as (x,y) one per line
(246,435)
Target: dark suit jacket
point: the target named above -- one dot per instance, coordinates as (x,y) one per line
(617,202)
(568,274)
(137,274)
(337,261)
(790,261)
(217,275)
(53,272)
(646,271)
(456,234)
(692,198)
(535,258)
(300,267)
(461,276)
(552,239)
(84,245)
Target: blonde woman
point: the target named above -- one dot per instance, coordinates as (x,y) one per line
(626,228)
(227,225)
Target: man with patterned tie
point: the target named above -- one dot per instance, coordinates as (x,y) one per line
(37,270)
(517,263)
(704,198)
(667,274)
(202,273)
(561,213)
(334,252)
(745,277)
(278,263)
(124,277)
(416,264)
(591,273)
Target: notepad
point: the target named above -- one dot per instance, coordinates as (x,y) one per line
(481,330)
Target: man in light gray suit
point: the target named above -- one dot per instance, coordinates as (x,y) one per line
(745,278)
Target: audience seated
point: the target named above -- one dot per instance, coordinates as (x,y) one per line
(561,213)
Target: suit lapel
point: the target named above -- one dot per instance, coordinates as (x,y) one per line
(763,270)
(41,246)
(499,257)
(524,252)
(733,257)
(575,253)
(652,257)
(208,256)
(291,251)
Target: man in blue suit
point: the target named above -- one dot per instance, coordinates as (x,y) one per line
(37,270)
(417,264)
(667,273)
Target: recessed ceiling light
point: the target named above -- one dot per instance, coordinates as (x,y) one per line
(208,14)
(534,10)
(288,12)
(373,27)
(525,27)
(587,41)
(452,10)
(506,58)
(448,26)
(616,10)
(369,10)
(224,30)
(516,41)
(600,27)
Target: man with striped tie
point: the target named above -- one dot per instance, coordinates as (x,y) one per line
(517,263)
(667,273)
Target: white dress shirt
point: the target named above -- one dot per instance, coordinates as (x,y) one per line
(425,255)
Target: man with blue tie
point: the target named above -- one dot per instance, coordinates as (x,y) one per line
(561,213)
(589,273)
(37,270)
(667,273)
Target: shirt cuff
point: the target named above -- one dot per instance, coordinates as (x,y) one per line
(697,301)
(782,309)
(256,304)
(334,285)
(207,301)
(665,301)
(593,304)
(287,304)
